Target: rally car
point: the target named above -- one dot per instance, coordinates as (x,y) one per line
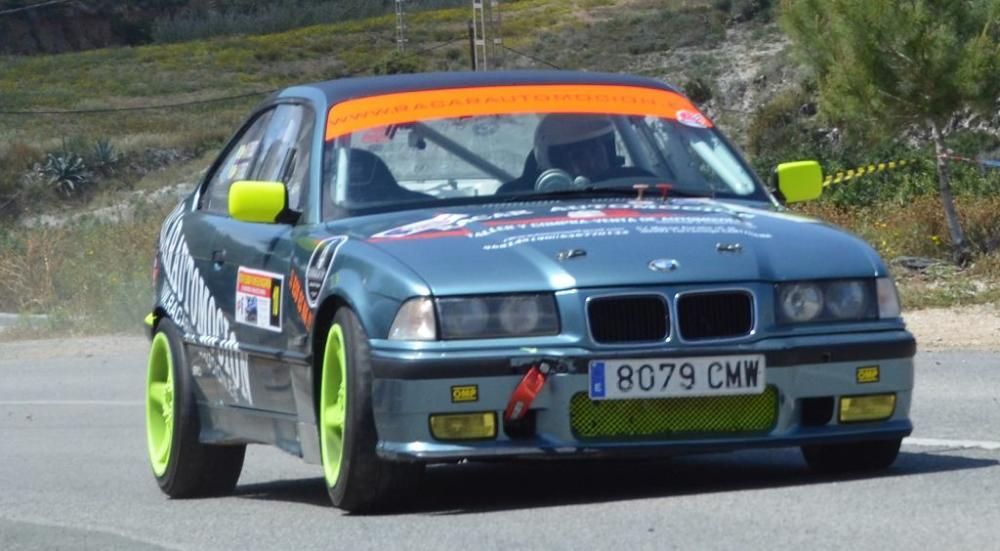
(381,273)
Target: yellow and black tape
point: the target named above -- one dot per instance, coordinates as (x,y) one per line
(847,175)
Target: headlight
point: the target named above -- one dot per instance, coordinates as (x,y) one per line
(498,316)
(414,321)
(800,302)
(888,298)
(838,300)
(464,317)
(846,299)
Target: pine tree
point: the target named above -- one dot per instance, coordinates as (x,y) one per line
(899,64)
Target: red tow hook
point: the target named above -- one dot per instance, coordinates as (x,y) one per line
(526,392)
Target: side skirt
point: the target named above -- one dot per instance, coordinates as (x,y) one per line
(237,425)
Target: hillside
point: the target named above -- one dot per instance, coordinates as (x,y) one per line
(730,56)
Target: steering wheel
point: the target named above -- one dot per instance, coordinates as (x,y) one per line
(555,179)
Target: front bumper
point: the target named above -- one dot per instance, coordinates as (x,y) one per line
(410,386)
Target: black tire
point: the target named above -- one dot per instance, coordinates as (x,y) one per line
(366,483)
(193,469)
(870,455)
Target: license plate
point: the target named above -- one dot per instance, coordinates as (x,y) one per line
(670,377)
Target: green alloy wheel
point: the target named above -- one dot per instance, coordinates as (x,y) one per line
(183,466)
(333,404)
(160,404)
(356,478)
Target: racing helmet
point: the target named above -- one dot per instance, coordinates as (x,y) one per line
(559,137)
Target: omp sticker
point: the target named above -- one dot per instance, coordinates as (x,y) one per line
(465,393)
(405,107)
(867,374)
(258,299)
(299,299)
(320,264)
(693,119)
(188,302)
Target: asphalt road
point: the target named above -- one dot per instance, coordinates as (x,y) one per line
(74,475)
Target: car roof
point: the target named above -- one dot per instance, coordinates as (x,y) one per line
(343,89)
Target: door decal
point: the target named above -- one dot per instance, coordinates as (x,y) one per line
(258,299)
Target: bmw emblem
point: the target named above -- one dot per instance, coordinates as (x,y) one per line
(664,265)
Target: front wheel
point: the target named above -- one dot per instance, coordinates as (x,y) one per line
(871,455)
(356,478)
(183,466)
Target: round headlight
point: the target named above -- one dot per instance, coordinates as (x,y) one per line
(801,302)
(519,314)
(464,317)
(846,299)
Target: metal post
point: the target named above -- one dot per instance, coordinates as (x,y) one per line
(400,26)
(479,32)
(472,45)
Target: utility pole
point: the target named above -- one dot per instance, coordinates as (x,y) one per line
(400,26)
(486,40)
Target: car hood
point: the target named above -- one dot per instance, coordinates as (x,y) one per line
(595,243)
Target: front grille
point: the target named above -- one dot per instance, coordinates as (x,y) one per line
(673,417)
(715,315)
(616,320)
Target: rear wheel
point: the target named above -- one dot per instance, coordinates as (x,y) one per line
(183,466)
(356,478)
(871,455)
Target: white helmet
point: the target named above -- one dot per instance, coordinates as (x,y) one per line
(563,129)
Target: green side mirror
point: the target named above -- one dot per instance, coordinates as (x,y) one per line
(800,181)
(257,201)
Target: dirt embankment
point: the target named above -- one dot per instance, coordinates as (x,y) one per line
(966,327)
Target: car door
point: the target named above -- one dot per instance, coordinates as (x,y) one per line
(220,370)
(256,259)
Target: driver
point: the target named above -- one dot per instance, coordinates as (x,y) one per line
(582,145)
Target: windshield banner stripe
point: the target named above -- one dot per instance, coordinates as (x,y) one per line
(377,111)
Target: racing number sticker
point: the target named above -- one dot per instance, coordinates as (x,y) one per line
(258,299)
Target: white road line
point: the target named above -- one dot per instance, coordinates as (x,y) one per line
(127,403)
(944,443)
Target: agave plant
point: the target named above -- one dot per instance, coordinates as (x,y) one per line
(66,172)
(104,156)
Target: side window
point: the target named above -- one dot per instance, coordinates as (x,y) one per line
(237,165)
(285,148)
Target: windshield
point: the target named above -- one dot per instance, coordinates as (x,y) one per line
(516,155)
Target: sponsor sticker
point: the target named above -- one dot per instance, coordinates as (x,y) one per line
(693,119)
(319,267)
(390,109)
(867,374)
(258,299)
(465,393)
(299,299)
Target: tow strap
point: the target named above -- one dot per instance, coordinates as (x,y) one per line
(526,392)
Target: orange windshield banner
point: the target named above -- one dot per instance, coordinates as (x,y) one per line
(405,107)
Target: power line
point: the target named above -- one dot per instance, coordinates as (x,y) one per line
(531,57)
(194,102)
(138,108)
(34,6)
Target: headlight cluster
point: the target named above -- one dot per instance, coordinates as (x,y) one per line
(483,317)
(837,300)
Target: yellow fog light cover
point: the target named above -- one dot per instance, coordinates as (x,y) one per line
(464,426)
(875,407)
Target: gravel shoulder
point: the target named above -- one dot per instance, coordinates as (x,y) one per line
(967,327)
